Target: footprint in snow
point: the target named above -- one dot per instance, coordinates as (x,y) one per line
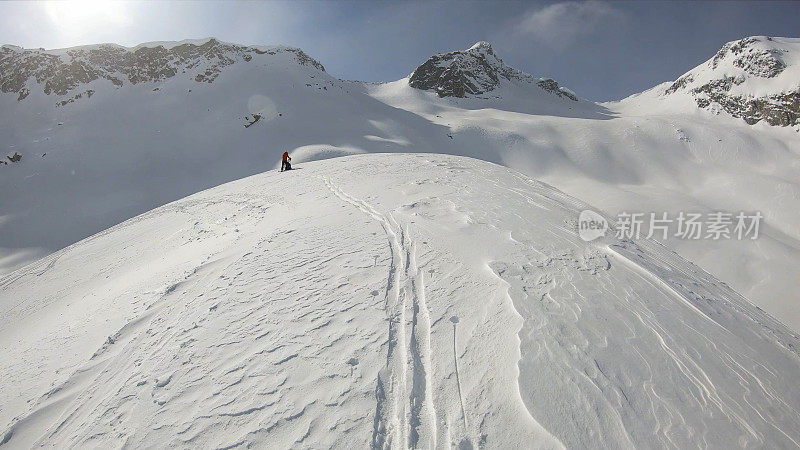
(163,380)
(352,362)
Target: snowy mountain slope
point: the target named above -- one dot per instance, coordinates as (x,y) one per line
(97,161)
(756,78)
(636,160)
(385,300)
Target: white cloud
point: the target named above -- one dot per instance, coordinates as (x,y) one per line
(563,23)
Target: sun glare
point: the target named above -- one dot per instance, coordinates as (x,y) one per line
(77,17)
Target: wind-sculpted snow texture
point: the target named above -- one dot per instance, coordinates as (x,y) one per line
(385,301)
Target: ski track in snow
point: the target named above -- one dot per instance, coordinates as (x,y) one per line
(321,317)
(417,427)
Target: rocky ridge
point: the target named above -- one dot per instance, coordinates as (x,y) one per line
(472,72)
(726,82)
(63,71)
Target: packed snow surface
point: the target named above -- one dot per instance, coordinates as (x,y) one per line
(386,300)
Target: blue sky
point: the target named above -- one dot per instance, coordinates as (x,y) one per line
(601,50)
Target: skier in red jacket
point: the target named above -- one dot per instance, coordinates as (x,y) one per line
(285,164)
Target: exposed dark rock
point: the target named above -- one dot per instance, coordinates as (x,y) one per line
(757,62)
(69,76)
(736,48)
(551,85)
(780,108)
(475,71)
(250,122)
(306,60)
(16,157)
(72,99)
(765,63)
(679,84)
(456,74)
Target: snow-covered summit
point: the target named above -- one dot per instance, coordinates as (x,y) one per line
(474,71)
(482,46)
(755,78)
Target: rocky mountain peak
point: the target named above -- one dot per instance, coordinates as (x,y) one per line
(755,78)
(482,47)
(472,72)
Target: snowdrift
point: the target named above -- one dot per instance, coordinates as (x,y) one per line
(385,300)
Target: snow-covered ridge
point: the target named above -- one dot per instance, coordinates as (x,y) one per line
(66,70)
(472,72)
(755,78)
(385,301)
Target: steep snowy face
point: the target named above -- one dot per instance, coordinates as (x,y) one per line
(474,71)
(385,301)
(755,78)
(67,71)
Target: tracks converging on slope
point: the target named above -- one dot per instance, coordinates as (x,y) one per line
(405,415)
